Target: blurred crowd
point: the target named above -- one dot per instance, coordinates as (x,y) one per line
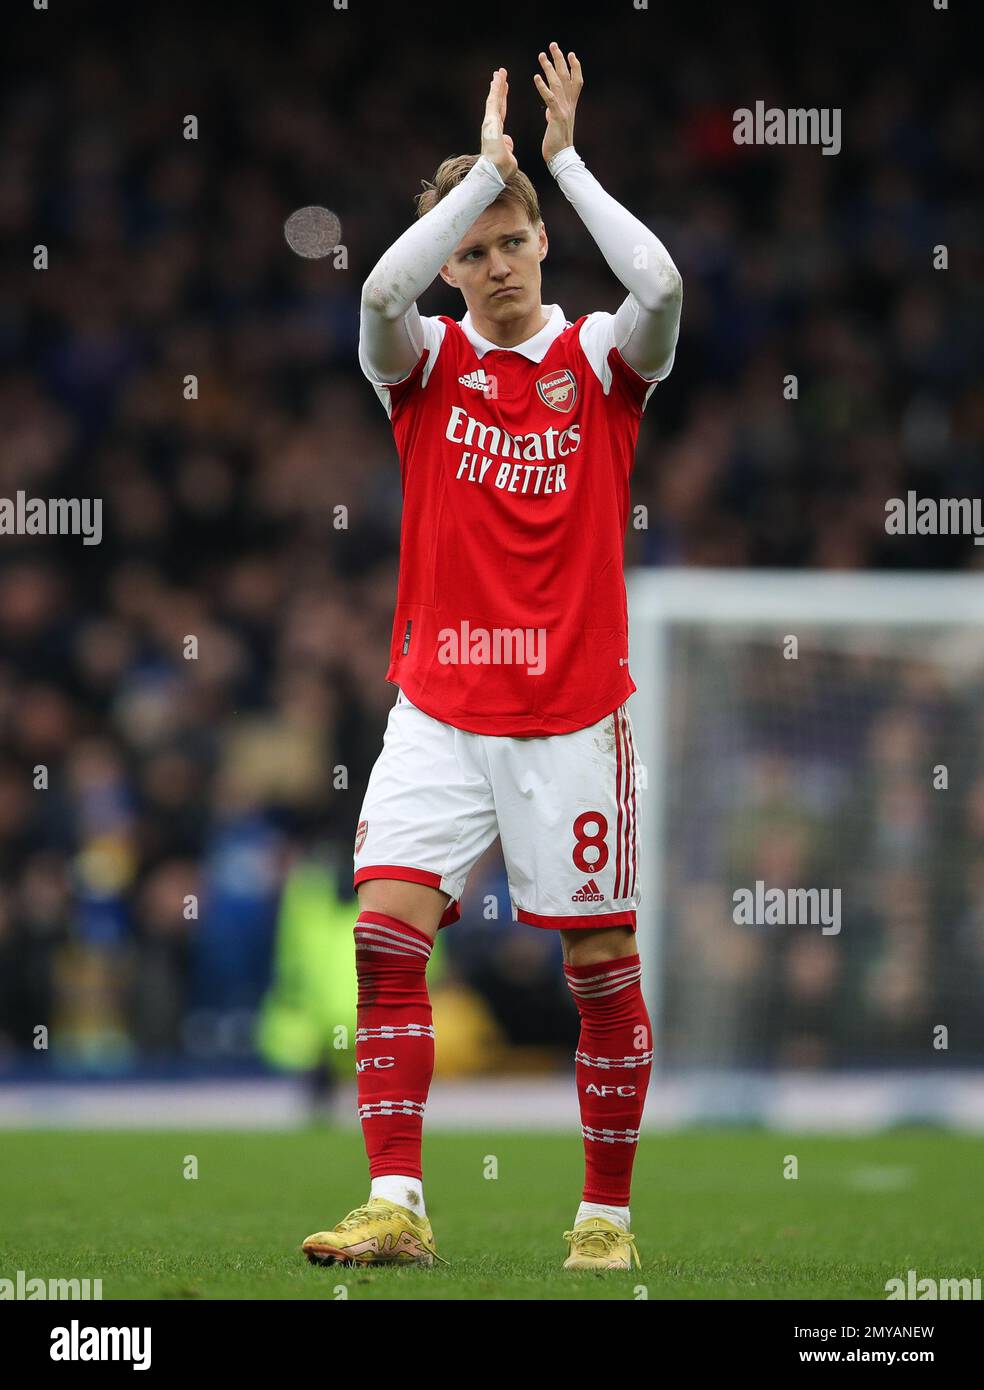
(156,796)
(860,772)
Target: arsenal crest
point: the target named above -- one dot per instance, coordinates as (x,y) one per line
(360,835)
(558,390)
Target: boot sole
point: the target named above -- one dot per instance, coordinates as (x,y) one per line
(330,1255)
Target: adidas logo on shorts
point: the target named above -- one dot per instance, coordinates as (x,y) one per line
(588,893)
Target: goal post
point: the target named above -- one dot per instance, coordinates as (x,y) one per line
(803,734)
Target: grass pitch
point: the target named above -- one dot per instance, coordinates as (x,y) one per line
(713,1215)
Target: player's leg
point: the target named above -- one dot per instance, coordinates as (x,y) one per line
(394,1040)
(426,818)
(612,1067)
(416,903)
(567,809)
(590,945)
(394,1058)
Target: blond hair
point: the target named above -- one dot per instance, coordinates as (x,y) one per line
(451,171)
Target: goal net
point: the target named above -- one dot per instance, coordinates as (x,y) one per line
(812,819)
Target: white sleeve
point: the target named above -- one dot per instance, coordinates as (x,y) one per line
(431,335)
(646,325)
(392,334)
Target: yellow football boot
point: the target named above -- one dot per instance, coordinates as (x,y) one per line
(378,1233)
(600,1244)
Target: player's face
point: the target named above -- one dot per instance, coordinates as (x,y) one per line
(502,250)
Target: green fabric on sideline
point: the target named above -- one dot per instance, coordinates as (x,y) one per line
(310,1008)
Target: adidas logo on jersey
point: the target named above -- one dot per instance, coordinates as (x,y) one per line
(478,381)
(588,893)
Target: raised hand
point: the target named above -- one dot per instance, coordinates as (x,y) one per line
(495,144)
(560,93)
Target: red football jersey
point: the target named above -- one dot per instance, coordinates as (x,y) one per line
(511,614)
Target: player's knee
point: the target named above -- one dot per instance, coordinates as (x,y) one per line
(414,903)
(594,946)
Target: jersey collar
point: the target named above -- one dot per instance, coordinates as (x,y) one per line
(534,348)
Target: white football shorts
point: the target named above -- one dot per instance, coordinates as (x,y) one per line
(565,808)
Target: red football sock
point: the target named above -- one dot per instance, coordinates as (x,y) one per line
(613,1064)
(394,1041)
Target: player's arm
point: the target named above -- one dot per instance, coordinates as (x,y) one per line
(647,323)
(391,336)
